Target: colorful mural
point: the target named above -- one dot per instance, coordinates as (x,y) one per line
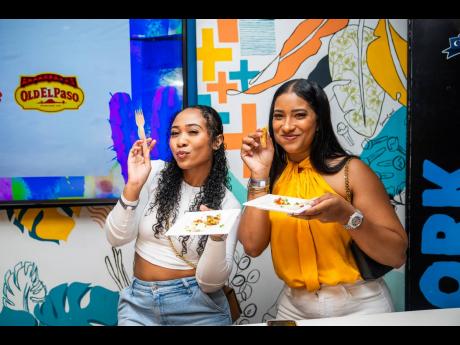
(62,270)
(361,64)
(40,284)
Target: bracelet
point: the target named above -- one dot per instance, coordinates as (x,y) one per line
(125,206)
(256,190)
(255,186)
(254,183)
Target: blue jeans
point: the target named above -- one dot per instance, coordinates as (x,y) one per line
(171,302)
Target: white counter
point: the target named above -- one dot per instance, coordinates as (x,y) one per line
(431,317)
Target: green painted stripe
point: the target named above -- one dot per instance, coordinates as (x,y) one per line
(238,189)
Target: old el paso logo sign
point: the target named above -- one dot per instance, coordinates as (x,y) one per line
(49,92)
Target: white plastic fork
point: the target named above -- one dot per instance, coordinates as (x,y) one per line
(140,123)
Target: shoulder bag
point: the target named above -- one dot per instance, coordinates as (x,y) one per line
(368,267)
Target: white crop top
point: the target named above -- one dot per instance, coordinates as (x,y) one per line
(124,225)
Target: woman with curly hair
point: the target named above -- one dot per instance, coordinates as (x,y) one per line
(177,281)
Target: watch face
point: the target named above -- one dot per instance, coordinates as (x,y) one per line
(356,221)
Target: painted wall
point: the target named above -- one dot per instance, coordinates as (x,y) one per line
(56,264)
(58,268)
(361,64)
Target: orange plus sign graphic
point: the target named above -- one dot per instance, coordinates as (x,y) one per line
(209,55)
(221,87)
(249,121)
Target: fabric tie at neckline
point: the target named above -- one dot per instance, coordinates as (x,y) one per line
(300,166)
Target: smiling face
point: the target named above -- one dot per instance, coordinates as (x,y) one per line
(190,142)
(294,125)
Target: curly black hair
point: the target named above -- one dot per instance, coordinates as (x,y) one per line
(211,193)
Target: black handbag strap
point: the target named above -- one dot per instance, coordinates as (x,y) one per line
(348,193)
(368,267)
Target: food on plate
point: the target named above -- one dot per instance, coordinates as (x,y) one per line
(281,201)
(263,138)
(285,203)
(200,224)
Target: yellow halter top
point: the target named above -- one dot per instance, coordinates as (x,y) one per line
(308,253)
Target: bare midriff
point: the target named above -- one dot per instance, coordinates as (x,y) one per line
(147,271)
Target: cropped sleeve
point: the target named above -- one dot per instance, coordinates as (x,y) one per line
(216,262)
(122,225)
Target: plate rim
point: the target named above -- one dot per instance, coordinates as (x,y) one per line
(234,213)
(251,203)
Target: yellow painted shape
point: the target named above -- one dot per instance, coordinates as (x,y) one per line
(209,55)
(382,65)
(55,225)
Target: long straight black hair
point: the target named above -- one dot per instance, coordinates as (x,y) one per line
(325,145)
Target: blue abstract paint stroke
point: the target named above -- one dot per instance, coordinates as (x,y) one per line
(204,99)
(386,153)
(45,188)
(124,129)
(41,188)
(16,221)
(70,186)
(165,104)
(10,317)
(148,28)
(100,310)
(244,75)
(238,189)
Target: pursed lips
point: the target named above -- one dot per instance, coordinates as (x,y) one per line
(182,154)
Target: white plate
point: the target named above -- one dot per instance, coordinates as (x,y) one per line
(293,205)
(195,223)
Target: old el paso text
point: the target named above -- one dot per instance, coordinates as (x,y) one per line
(45,92)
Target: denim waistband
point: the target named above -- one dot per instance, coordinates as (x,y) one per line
(163,284)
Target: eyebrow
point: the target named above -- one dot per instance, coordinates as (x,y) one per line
(299,109)
(188,125)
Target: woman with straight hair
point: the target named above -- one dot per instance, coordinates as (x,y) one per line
(311,250)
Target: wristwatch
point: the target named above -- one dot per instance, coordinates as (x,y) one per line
(355,220)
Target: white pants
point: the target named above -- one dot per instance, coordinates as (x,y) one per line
(363,297)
